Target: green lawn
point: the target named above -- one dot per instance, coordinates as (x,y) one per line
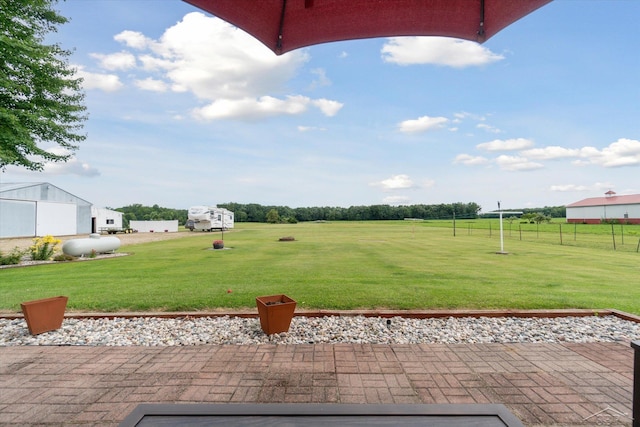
(339,265)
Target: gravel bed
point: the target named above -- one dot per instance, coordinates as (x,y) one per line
(331,329)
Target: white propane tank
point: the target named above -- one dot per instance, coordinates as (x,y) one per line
(81,247)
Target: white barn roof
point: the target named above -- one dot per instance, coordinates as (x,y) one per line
(8,190)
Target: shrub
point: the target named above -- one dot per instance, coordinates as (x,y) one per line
(43,248)
(64,257)
(609,221)
(12,258)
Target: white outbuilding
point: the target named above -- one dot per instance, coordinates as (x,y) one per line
(168,226)
(105,219)
(39,208)
(624,209)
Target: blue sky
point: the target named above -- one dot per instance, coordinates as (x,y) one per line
(186,110)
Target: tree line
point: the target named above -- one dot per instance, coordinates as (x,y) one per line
(138,212)
(259,213)
(550,211)
(254,212)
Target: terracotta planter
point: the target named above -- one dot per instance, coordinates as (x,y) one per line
(276,312)
(218,245)
(44,315)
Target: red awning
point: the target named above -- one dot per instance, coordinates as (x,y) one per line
(285,25)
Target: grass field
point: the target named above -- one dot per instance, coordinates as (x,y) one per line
(339,265)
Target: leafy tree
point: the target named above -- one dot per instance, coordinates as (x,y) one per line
(255,213)
(273,217)
(540,218)
(137,212)
(41,102)
(551,211)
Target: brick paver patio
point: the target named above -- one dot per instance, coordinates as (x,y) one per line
(542,384)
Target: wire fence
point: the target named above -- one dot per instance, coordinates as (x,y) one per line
(617,237)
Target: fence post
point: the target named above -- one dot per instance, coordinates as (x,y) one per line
(613,236)
(454,224)
(636,383)
(560,234)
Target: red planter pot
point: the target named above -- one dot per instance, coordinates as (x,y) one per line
(276,312)
(44,315)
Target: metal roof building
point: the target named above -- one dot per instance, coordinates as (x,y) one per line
(30,209)
(624,209)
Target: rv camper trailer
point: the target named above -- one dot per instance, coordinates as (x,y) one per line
(209,218)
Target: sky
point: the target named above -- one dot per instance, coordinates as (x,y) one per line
(185,109)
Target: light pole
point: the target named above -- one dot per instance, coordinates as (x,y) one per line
(501,234)
(500,212)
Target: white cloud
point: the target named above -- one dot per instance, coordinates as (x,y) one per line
(395,182)
(505,145)
(329,108)
(422,124)
(569,187)
(623,152)
(598,186)
(437,50)
(469,160)
(152,85)
(488,128)
(396,200)
(266,106)
(221,64)
(215,60)
(72,166)
(133,39)
(551,152)
(321,78)
(458,117)
(152,63)
(310,128)
(115,61)
(516,163)
(105,82)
